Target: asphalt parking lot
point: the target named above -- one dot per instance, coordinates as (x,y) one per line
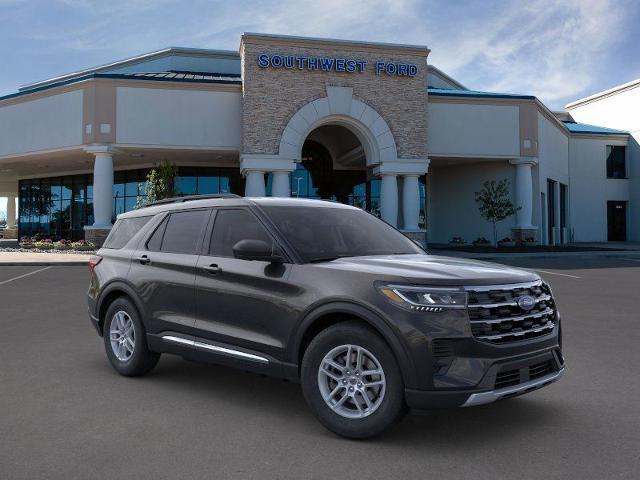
(66,414)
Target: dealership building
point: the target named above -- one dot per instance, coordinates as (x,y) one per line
(369,124)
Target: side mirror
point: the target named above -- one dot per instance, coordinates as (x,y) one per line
(256,250)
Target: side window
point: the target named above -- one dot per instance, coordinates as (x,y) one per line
(124,230)
(155,242)
(180,232)
(230,227)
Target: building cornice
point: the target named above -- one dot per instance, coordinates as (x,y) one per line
(311,42)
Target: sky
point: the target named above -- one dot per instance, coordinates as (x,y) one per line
(557,50)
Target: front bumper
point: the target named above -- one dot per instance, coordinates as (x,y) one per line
(489,390)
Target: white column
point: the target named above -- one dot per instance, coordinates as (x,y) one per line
(254,186)
(389,198)
(524,193)
(410,202)
(280,186)
(11,212)
(102,188)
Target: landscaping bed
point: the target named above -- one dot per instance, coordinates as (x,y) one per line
(522,248)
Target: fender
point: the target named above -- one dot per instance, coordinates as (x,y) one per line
(368,315)
(122,286)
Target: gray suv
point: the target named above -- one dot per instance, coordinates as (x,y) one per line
(322,294)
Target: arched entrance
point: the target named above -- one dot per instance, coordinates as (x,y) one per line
(338,147)
(333,166)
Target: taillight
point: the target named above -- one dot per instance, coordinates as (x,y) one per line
(94,260)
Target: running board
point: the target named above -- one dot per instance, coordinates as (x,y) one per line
(215,348)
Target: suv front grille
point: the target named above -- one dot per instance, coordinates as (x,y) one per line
(496,316)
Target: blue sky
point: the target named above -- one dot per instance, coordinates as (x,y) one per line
(557,50)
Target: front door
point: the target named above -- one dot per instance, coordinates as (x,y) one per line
(239,303)
(617,221)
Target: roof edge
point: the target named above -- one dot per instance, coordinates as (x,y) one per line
(447,77)
(132,61)
(417,49)
(605,93)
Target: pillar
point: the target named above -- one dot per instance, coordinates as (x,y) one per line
(410,202)
(281,185)
(254,186)
(102,190)
(11,212)
(389,198)
(102,193)
(524,197)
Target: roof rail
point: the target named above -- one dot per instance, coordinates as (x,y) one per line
(188,198)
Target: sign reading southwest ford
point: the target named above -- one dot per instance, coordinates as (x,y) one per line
(331,64)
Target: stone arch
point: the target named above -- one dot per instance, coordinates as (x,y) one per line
(340,108)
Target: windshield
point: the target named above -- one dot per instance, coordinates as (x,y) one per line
(326,233)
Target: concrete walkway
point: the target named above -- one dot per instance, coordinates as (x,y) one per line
(33,258)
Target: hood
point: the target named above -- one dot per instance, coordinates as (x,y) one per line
(433,270)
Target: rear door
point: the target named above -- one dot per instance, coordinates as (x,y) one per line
(163,272)
(242,302)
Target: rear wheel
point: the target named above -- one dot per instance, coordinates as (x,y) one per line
(352,382)
(124,340)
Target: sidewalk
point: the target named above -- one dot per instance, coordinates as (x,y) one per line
(33,258)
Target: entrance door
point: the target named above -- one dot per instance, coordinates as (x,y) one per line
(617,221)
(551,212)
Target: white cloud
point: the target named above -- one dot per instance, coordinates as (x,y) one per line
(546,48)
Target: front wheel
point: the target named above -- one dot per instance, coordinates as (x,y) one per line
(352,382)
(125,342)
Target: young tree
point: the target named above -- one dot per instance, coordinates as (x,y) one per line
(160,183)
(494,203)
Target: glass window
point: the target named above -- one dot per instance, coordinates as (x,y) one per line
(325,233)
(184,231)
(616,164)
(124,230)
(155,241)
(234,225)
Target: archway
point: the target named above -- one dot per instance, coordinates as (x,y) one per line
(333,166)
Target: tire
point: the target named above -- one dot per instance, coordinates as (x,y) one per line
(351,415)
(128,353)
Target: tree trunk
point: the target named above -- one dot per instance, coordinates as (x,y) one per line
(495,235)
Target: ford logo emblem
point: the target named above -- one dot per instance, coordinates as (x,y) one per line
(526,302)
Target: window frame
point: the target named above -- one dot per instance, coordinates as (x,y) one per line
(206,245)
(165,221)
(625,160)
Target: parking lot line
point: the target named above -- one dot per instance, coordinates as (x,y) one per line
(556,273)
(25,275)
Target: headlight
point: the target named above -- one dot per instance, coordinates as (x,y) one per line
(424,299)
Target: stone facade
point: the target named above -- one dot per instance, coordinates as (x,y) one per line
(272,95)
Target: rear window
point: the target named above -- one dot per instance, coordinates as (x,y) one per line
(124,230)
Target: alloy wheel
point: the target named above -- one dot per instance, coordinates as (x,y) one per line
(351,381)
(122,335)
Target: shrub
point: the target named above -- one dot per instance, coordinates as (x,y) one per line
(481,241)
(457,241)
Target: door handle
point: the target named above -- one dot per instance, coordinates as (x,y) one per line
(212,269)
(144,260)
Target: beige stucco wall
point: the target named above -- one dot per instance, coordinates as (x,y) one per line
(271,96)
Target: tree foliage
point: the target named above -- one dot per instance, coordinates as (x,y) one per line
(494,203)
(161,182)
